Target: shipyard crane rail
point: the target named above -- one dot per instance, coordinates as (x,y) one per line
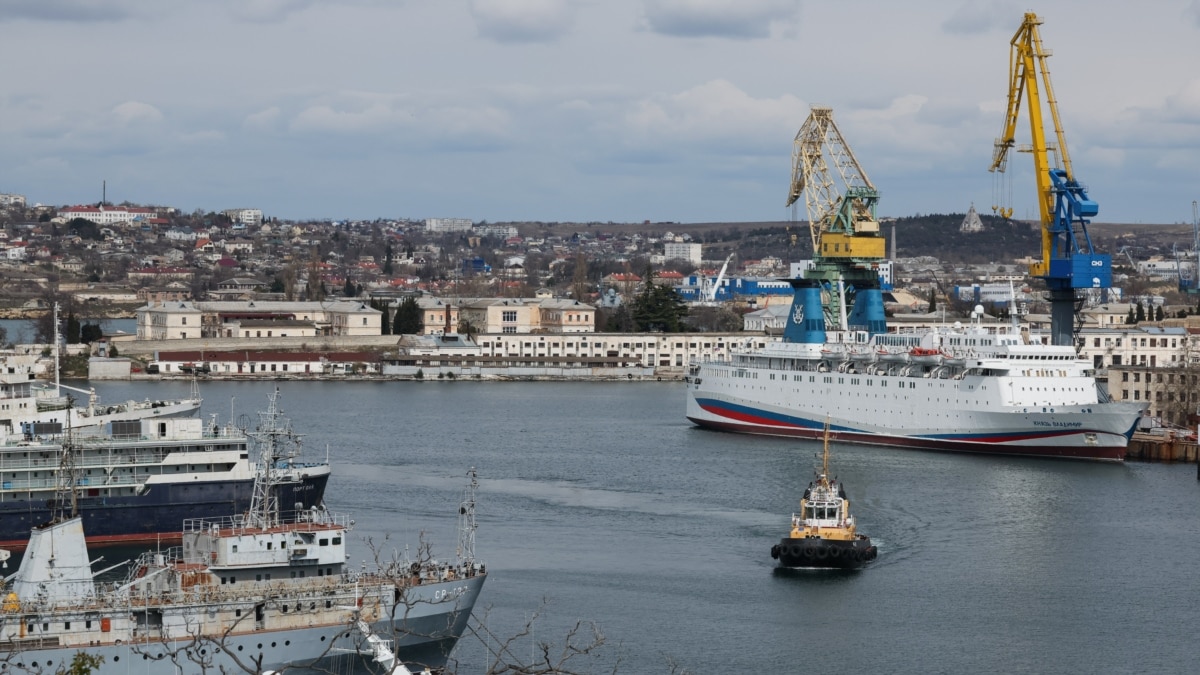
(1068,260)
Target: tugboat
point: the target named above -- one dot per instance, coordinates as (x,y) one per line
(823,533)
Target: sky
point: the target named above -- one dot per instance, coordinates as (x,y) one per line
(580,110)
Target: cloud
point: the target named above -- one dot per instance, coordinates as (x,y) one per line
(739,19)
(267,11)
(972,18)
(1193,12)
(717,112)
(395,119)
(70,11)
(263,119)
(136,112)
(1184,106)
(325,118)
(522,20)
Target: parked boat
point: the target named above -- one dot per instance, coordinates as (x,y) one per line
(251,592)
(824,533)
(1007,397)
(136,481)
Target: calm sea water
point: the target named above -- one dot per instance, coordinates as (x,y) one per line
(600,502)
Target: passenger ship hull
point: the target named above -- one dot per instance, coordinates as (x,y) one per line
(874,417)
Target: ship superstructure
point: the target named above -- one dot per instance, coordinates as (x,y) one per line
(30,406)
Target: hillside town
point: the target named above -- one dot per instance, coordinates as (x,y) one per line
(237,293)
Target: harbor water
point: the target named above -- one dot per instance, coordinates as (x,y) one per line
(599,502)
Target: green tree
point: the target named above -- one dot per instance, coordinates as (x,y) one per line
(932,300)
(348,289)
(72,329)
(1158,313)
(408,318)
(112,350)
(387,259)
(90,332)
(658,308)
(85,228)
(1131,318)
(1141,313)
(385,321)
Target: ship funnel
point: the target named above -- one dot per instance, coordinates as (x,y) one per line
(868,311)
(806,322)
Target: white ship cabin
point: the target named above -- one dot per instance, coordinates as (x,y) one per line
(131,457)
(237,552)
(823,508)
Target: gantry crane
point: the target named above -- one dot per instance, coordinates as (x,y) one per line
(841,211)
(1068,261)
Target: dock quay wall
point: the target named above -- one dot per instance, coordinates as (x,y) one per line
(1156,448)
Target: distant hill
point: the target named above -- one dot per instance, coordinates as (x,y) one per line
(935,235)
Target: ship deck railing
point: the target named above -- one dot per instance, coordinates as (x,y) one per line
(240,524)
(112,596)
(92,439)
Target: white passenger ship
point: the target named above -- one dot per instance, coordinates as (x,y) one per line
(959,388)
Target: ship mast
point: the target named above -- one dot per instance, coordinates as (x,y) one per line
(824,481)
(466,520)
(66,479)
(277,443)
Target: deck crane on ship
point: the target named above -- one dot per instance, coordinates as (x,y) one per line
(1068,260)
(846,239)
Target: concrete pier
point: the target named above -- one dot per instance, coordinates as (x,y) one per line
(1162,448)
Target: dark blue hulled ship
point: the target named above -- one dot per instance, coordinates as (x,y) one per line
(136,481)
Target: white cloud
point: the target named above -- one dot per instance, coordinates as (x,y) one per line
(719,18)
(263,119)
(522,20)
(716,110)
(325,118)
(136,112)
(1185,104)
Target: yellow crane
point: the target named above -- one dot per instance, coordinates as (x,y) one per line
(1068,261)
(840,200)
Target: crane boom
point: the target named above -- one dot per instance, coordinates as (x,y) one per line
(838,215)
(841,200)
(1068,260)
